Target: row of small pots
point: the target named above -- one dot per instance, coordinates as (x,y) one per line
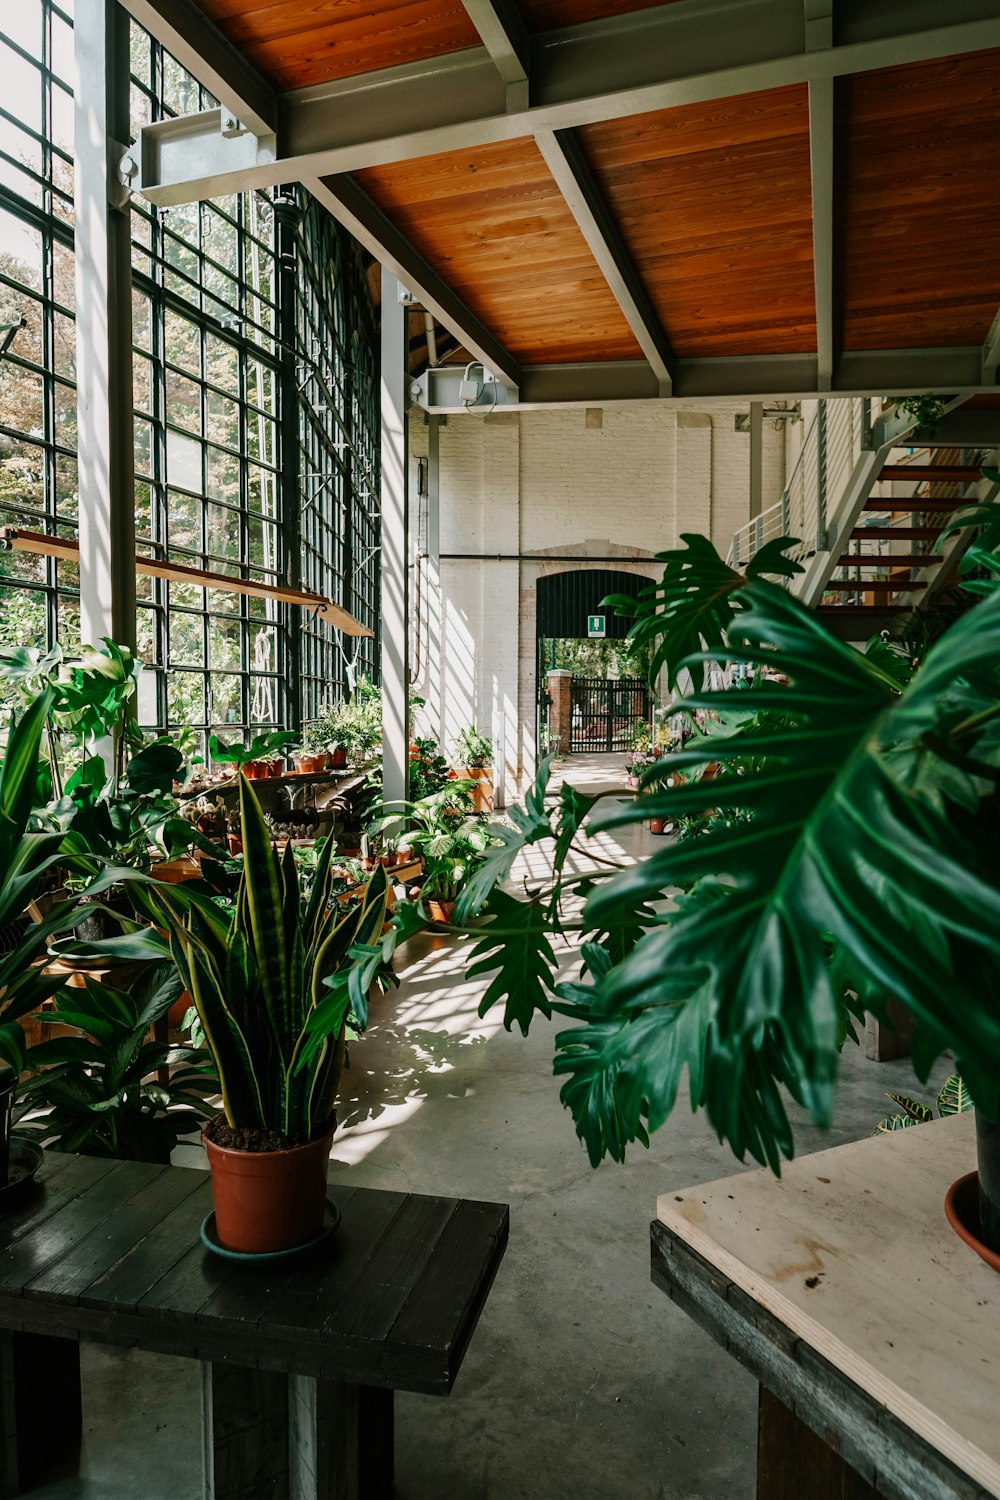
(306,762)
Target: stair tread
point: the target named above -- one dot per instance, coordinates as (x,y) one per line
(863,609)
(942,473)
(896,533)
(870,585)
(892,560)
(916,503)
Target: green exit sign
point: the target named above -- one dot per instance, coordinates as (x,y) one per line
(595,627)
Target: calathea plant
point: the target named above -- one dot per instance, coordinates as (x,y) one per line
(862,866)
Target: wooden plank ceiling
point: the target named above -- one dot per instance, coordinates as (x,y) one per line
(917,216)
(712,202)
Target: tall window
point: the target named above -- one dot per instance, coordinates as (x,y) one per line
(39,596)
(207,409)
(339,522)
(254,407)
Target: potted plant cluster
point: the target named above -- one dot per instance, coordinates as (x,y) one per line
(474,755)
(450,838)
(844,856)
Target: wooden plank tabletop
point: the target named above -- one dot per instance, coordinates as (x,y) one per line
(851,1253)
(110,1251)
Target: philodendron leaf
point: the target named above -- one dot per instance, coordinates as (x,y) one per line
(520,957)
(954,1098)
(918,1113)
(839,845)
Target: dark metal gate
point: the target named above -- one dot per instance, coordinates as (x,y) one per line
(605,713)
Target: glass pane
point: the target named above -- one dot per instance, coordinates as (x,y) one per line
(183,461)
(185,698)
(183,398)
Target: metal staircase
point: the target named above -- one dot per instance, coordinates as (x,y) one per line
(869,503)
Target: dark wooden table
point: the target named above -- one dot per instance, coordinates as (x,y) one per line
(873,1330)
(299,1361)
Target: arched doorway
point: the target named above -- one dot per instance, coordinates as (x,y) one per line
(604,711)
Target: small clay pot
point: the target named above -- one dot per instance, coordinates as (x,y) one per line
(269,1200)
(274,769)
(441,912)
(255,770)
(658,825)
(338,758)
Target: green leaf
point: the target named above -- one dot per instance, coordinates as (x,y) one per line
(953,1097)
(520,958)
(918,1113)
(893,1122)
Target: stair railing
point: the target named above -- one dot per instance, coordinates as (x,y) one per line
(832,445)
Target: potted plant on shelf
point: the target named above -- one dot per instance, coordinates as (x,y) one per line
(844,855)
(452,840)
(256,760)
(274,980)
(474,752)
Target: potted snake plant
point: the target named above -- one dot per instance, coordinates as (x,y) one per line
(274,981)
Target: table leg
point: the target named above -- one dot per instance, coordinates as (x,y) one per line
(792,1462)
(244,1433)
(269,1436)
(340,1441)
(41,1416)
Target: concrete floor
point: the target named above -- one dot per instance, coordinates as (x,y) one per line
(582,1379)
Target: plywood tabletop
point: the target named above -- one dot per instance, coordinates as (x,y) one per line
(852,1252)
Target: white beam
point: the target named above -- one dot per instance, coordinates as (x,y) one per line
(764,377)
(683,53)
(502,32)
(395,615)
(991,353)
(103,327)
(565,160)
(200,47)
(818,15)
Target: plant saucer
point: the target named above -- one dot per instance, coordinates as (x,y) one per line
(961,1205)
(331,1223)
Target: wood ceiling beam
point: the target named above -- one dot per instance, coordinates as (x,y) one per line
(671,55)
(565,160)
(370,227)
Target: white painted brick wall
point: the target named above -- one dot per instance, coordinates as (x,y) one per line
(536,482)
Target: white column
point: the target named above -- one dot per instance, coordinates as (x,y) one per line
(395,547)
(103,327)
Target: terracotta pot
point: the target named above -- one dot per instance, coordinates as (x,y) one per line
(176,871)
(255,770)
(658,825)
(338,758)
(269,1200)
(179,1009)
(273,769)
(988,1152)
(440,911)
(235,843)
